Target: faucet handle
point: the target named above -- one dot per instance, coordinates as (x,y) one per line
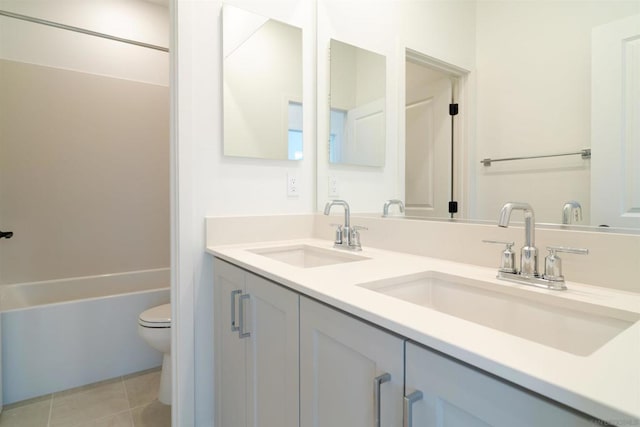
(355,236)
(339,233)
(553,263)
(508,259)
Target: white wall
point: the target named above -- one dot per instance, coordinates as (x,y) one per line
(137,20)
(209,184)
(533,97)
(444,30)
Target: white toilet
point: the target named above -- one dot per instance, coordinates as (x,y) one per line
(154,325)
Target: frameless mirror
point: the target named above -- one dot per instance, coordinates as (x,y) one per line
(357,116)
(262,84)
(533,91)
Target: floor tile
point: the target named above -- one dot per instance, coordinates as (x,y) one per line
(142,388)
(122,419)
(155,414)
(28,413)
(89,403)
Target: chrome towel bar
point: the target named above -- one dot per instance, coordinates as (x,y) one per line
(585,154)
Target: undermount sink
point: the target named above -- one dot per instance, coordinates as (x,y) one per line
(570,326)
(306,256)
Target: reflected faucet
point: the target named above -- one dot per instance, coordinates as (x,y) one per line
(388,203)
(571,212)
(529,253)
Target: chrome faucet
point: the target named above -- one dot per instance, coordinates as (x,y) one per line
(528,253)
(571,212)
(528,273)
(388,203)
(347,237)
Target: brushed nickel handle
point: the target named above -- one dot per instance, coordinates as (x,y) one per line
(409,400)
(234,326)
(241,332)
(377,382)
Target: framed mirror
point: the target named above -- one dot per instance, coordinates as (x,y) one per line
(262,85)
(357,108)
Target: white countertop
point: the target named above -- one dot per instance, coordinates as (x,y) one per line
(604,384)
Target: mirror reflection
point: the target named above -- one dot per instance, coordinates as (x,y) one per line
(428,139)
(357,117)
(545,78)
(262,83)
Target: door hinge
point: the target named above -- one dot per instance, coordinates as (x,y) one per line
(453,109)
(453,207)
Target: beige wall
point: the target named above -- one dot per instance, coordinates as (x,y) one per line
(84,173)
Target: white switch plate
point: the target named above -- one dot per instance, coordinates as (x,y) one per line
(333,186)
(293,189)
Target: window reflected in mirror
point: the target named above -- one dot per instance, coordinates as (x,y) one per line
(357,116)
(262,84)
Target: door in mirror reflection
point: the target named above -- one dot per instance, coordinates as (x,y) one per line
(428,141)
(357,116)
(262,83)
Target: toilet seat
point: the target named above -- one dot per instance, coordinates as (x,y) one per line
(156,317)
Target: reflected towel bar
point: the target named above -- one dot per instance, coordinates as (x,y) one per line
(585,154)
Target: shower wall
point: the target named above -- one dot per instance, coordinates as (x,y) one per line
(84,143)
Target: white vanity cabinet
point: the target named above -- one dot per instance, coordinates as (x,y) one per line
(449,393)
(285,360)
(350,371)
(256,350)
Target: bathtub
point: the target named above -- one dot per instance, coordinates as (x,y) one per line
(59,334)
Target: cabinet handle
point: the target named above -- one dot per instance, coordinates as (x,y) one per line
(234,328)
(241,331)
(408,402)
(377,381)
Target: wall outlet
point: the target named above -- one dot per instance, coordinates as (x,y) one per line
(333,186)
(293,188)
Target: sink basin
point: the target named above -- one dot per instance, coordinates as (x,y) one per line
(570,326)
(306,256)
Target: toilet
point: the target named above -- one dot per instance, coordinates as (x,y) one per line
(154,326)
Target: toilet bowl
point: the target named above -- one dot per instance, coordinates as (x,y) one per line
(154,326)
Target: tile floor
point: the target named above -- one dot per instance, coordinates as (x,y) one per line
(129,401)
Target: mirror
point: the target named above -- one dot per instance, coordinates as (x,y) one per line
(528,93)
(262,85)
(357,116)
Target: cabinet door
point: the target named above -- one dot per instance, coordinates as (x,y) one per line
(339,359)
(455,395)
(229,348)
(272,354)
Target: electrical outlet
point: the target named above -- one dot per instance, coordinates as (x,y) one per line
(293,189)
(333,186)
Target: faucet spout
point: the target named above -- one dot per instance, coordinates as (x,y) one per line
(388,203)
(571,212)
(529,220)
(347,213)
(529,253)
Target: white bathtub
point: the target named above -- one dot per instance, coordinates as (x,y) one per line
(59,334)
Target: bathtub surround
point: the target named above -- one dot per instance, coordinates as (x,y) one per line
(612,261)
(84,140)
(127,401)
(52,344)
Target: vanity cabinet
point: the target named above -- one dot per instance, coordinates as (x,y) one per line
(443,392)
(350,372)
(285,360)
(256,350)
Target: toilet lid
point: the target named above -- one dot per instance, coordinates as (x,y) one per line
(156,317)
